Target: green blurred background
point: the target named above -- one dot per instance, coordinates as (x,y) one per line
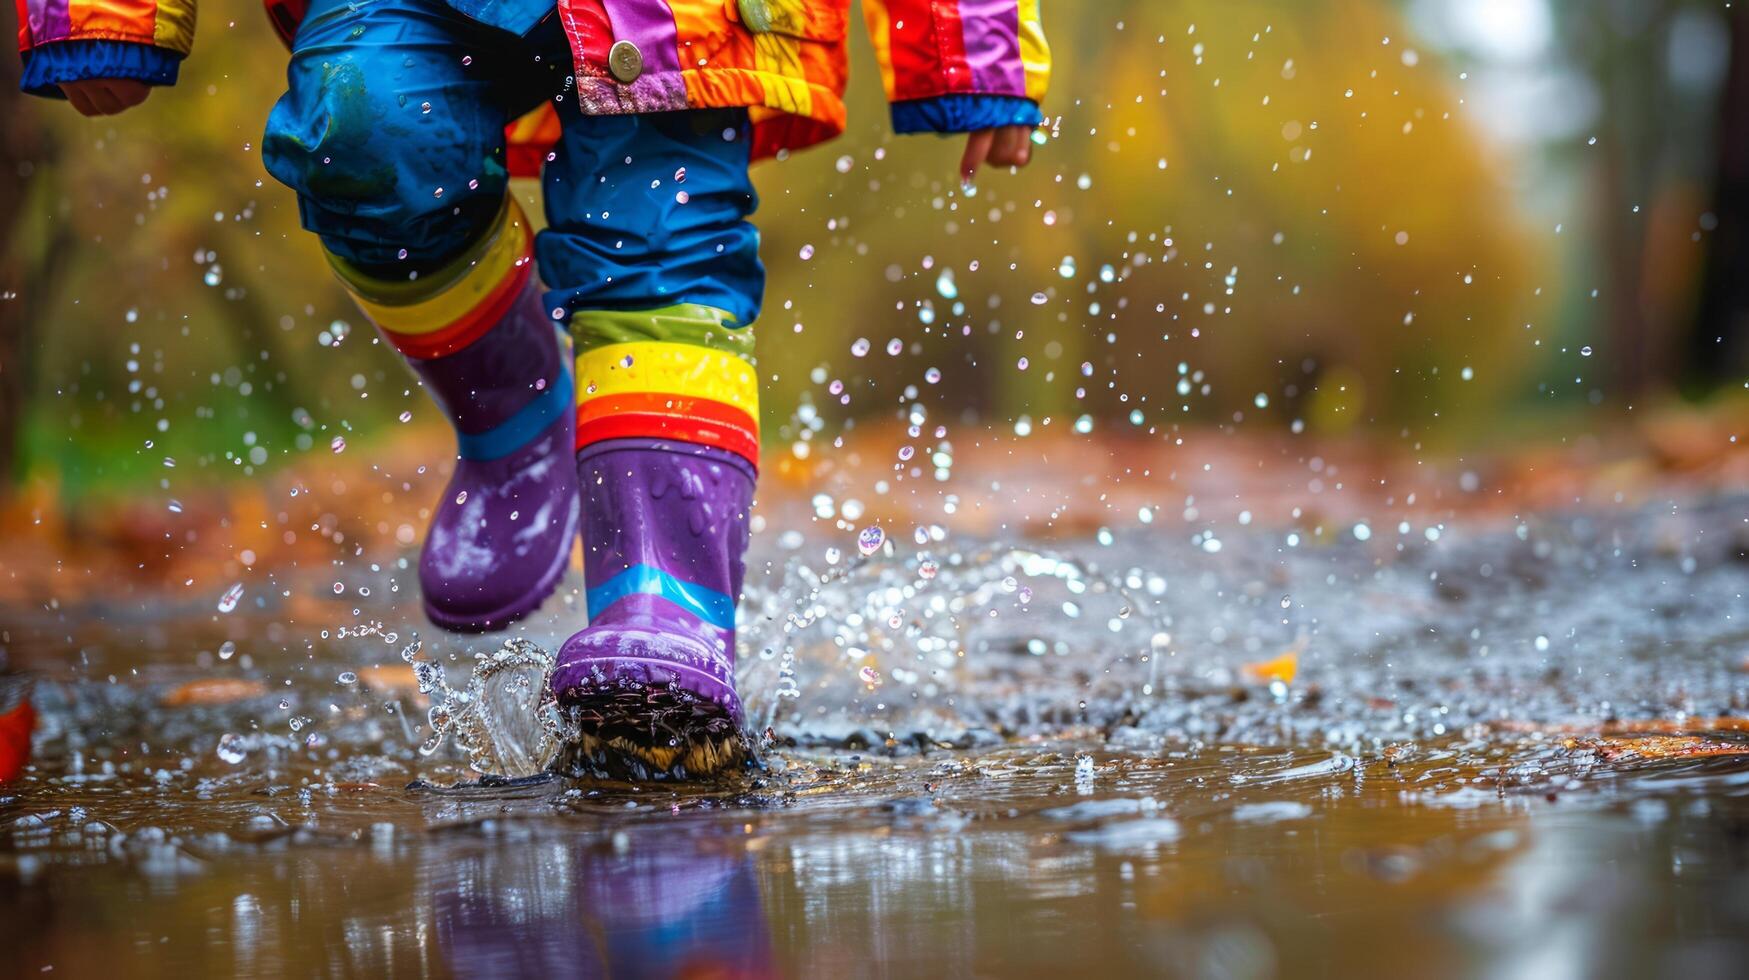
(1440,220)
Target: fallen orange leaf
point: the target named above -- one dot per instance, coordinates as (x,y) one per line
(1612,748)
(214,690)
(393,678)
(1282,668)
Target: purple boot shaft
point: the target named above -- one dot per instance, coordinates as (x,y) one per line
(491,357)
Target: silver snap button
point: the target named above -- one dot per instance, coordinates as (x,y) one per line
(625,61)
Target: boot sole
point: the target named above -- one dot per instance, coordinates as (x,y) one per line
(634,731)
(524,604)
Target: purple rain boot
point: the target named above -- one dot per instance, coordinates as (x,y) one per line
(652,677)
(492,359)
(501,537)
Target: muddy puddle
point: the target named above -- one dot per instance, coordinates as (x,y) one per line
(1517,748)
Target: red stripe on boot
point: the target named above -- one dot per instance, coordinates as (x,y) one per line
(657,416)
(472,326)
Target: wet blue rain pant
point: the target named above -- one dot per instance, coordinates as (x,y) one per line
(392,133)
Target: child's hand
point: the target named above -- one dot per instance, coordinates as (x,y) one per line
(105,96)
(1005,146)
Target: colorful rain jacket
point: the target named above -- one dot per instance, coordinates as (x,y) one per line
(948,65)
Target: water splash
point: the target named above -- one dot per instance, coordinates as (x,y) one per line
(507,721)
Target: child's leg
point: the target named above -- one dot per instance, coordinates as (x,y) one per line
(650,250)
(392,133)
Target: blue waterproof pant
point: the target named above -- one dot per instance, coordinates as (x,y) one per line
(392,133)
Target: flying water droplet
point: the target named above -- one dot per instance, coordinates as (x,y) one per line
(228,601)
(232,748)
(870,539)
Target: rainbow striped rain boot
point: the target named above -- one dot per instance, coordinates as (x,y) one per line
(492,358)
(667,449)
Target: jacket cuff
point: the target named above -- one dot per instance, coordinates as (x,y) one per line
(46,66)
(964,113)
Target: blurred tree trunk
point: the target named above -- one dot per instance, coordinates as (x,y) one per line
(1717,343)
(1632,132)
(27,270)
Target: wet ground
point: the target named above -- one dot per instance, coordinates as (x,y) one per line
(1512,747)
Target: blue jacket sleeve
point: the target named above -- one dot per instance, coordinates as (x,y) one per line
(46,66)
(964,113)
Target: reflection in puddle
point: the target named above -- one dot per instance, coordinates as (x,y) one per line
(557,910)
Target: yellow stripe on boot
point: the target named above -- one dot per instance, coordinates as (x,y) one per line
(432,303)
(654,367)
